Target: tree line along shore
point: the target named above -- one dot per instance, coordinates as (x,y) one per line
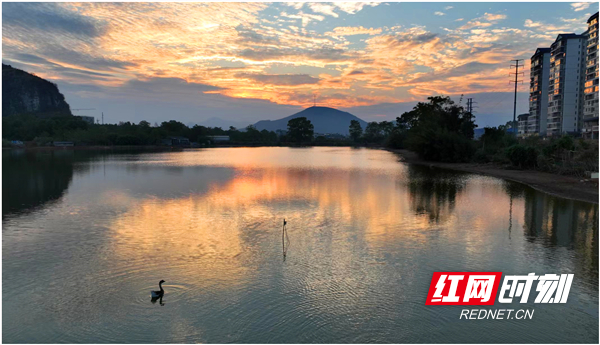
(436,131)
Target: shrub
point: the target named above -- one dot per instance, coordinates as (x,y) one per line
(522,156)
(480,156)
(396,139)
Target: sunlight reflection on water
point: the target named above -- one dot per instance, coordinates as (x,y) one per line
(91,234)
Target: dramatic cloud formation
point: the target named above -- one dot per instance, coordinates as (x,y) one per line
(209,58)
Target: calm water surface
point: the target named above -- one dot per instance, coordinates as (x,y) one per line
(86,236)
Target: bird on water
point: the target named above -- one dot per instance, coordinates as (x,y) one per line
(160,293)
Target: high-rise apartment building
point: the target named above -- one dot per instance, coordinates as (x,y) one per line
(565,86)
(590,93)
(538,92)
(523,125)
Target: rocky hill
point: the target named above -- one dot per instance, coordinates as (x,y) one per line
(25,93)
(325,120)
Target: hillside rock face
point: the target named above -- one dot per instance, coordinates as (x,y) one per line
(325,120)
(25,93)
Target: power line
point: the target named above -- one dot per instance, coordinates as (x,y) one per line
(516,81)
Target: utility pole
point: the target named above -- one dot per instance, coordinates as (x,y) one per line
(470,105)
(314,100)
(102,117)
(516,81)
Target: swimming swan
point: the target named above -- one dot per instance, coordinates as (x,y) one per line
(160,293)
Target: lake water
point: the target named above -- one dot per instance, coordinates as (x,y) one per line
(87,235)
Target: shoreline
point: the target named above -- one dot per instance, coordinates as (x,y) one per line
(567,187)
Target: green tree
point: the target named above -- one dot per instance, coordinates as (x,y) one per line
(386,128)
(378,132)
(373,132)
(175,128)
(439,130)
(252,134)
(300,129)
(355,130)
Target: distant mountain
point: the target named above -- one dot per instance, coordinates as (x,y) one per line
(224,124)
(25,93)
(325,120)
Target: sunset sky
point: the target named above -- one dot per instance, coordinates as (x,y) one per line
(245,62)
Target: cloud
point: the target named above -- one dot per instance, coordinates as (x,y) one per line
(222,53)
(30,60)
(568,25)
(349,31)
(531,24)
(248,35)
(82,59)
(580,6)
(448,7)
(323,8)
(296,5)
(48,17)
(462,70)
(280,79)
(330,9)
(354,7)
(168,86)
(494,17)
(407,39)
(305,18)
(438,13)
(487,20)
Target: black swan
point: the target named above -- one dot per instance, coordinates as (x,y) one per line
(160,293)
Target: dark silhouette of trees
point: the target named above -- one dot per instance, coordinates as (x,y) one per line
(300,130)
(438,130)
(355,131)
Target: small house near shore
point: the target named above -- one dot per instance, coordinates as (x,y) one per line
(176,141)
